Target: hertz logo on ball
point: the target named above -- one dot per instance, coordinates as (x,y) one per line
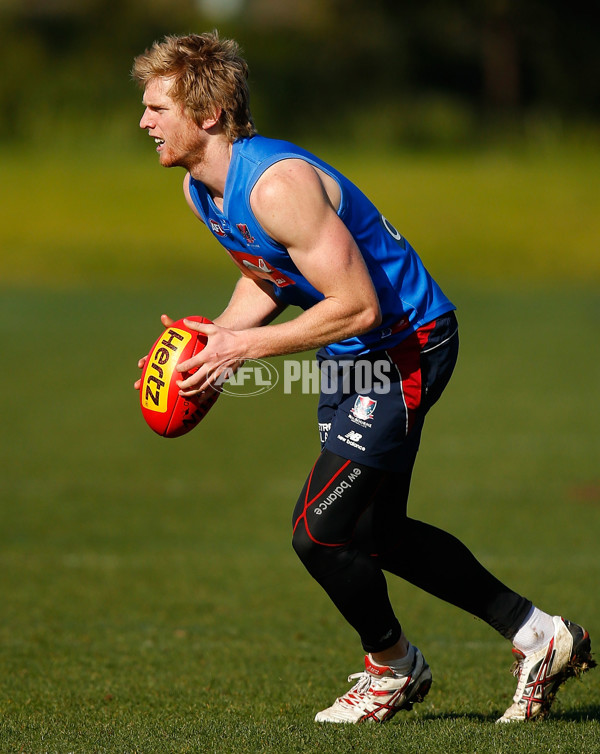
(162,361)
(165,411)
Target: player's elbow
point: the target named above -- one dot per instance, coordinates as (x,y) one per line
(369,318)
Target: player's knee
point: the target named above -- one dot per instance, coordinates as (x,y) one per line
(317,558)
(303,545)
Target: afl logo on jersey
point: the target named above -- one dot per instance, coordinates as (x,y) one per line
(216,228)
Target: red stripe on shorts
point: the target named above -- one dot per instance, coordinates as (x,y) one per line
(406,357)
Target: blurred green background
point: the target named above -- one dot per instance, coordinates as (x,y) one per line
(140,576)
(474,126)
(401,73)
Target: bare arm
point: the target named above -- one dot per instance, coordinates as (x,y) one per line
(292,205)
(252,305)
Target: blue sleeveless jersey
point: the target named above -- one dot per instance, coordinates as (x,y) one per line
(408,295)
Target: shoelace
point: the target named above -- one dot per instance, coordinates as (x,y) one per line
(517,670)
(356,694)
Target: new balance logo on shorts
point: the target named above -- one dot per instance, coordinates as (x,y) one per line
(352,438)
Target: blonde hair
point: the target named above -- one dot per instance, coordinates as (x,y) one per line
(207,73)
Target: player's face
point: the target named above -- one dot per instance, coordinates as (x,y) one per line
(179,140)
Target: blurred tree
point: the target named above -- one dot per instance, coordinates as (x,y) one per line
(411,71)
(500,56)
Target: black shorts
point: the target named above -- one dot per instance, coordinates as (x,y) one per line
(372,407)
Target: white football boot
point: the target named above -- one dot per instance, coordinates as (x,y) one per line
(379,693)
(541,673)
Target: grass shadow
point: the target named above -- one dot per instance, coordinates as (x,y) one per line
(579,715)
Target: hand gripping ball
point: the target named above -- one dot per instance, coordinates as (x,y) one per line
(165,411)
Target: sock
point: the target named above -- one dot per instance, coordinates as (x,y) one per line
(403,666)
(535,633)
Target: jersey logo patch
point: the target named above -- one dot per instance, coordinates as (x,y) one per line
(364,408)
(243,229)
(216,228)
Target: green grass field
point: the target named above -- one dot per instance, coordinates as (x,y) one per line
(151,599)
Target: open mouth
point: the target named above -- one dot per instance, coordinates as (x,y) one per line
(159,143)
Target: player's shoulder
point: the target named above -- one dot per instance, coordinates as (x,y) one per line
(281,180)
(264,151)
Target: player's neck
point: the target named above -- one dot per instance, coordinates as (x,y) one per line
(213,167)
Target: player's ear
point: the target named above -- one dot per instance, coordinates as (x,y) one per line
(213,120)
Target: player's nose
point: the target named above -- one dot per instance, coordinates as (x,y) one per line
(145,120)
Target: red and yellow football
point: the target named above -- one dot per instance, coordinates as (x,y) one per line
(165,411)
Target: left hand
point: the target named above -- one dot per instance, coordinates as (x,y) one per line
(166,322)
(223,353)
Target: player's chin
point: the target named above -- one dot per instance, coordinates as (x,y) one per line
(168,160)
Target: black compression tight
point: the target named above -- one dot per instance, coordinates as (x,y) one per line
(350,525)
